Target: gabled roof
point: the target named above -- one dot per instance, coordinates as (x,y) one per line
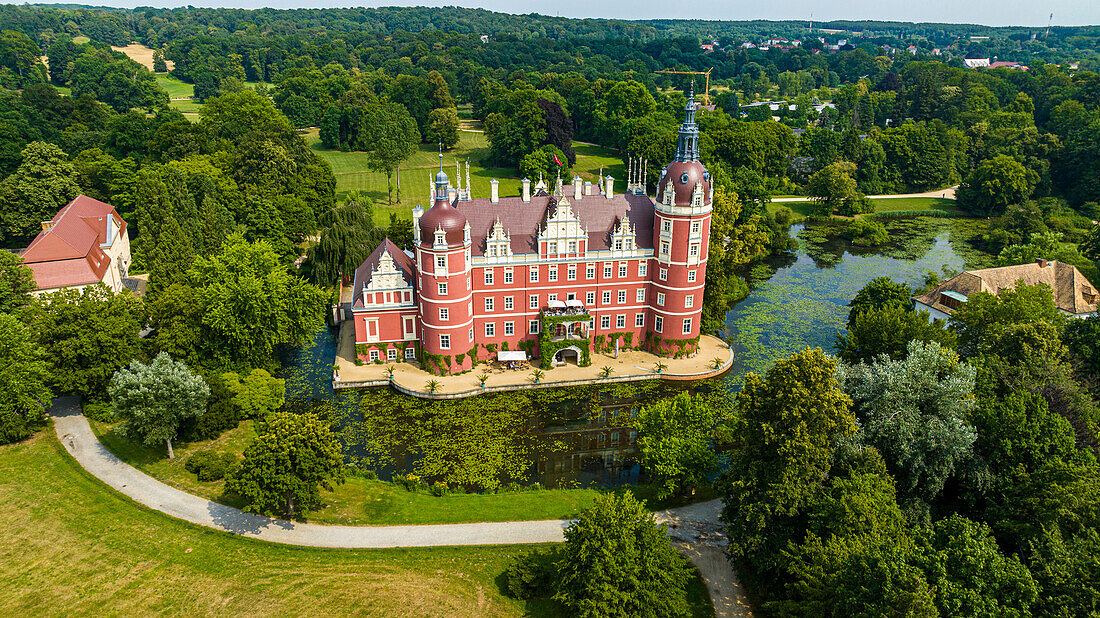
(68,252)
(401,260)
(523,220)
(1073,293)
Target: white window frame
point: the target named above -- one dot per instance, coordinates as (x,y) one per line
(533,327)
(639,319)
(490,303)
(693,250)
(507,275)
(534,301)
(533,274)
(621,297)
(391,353)
(509,328)
(590,298)
(572,246)
(622,271)
(606,298)
(642,267)
(607,271)
(666,247)
(441,261)
(620,320)
(509,303)
(666,225)
(590,271)
(639,296)
(488,276)
(571,274)
(605,322)
(660,299)
(552,273)
(373,356)
(689,301)
(445,342)
(490,329)
(687,326)
(691,276)
(663,274)
(658,323)
(444,314)
(442,289)
(410,353)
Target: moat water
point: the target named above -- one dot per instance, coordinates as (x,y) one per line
(794,301)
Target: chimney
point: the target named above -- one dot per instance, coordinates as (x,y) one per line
(1041,262)
(526,190)
(588,188)
(609,187)
(494,191)
(577,188)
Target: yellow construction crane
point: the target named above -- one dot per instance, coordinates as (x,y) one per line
(706,92)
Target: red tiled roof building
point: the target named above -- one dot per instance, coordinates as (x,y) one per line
(86,242)
(556,273)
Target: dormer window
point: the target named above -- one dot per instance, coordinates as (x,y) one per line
(440,237)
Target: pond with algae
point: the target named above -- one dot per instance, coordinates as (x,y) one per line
(802,299)
(571,437)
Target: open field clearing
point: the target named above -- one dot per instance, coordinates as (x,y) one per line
(142,55)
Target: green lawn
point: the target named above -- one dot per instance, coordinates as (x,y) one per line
(174,87)
(80,40)
(73,545)
(805,208)
(69,542)
(353,173)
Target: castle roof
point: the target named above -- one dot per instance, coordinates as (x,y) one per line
(68,252)
(522,220)
(363,274)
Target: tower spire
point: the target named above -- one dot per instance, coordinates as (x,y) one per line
(687,145)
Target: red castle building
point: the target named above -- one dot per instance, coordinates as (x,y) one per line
(557,274)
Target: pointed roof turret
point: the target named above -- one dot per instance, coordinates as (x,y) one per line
(687,146)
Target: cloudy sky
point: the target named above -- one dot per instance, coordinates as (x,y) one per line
(989,12)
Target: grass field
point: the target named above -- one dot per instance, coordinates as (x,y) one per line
(353,173)
(72,546)
(805,208)
(358,501)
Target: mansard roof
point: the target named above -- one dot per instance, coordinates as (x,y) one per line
(401,260)
(523,220)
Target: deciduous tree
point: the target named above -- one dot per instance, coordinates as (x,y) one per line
(674,443)
(285,466)
(888,331)
(16,282)
(392,139)
(256,394)
(43,183)
(24,375)
(994,185)
(155,398)
(617,561)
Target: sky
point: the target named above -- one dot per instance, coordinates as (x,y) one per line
(988,12)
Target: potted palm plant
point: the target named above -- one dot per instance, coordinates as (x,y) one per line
(481,378)
(716,362)
(537,374)
(389,372)
(606,371)
(432,386)
(659,367)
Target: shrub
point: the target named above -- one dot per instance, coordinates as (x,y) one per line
(532,575)
(100,411)
(221,414)
(209,466)
(867,233)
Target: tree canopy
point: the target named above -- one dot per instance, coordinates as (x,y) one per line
(155,398)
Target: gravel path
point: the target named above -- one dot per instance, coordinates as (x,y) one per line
(694,528)
(948,193)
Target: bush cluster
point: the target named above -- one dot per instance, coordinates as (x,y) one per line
(210,466)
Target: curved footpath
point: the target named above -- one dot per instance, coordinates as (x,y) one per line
(694,529)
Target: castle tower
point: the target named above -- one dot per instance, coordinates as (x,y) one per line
(681,233)
(443,260)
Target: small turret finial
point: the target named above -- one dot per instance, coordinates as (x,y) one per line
(441,154)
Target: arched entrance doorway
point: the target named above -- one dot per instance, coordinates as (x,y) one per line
(567,355)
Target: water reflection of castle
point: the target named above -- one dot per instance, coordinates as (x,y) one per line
(599,449)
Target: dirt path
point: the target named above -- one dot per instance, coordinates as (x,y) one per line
(946,194)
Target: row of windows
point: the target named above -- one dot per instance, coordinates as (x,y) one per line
(572,276)
(533,327)
(693,249)
(590,299)
(666,226)
(391,354)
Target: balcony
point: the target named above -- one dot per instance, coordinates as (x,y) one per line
(563,308)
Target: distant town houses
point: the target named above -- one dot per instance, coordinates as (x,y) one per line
(86,242)
(1074,295)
